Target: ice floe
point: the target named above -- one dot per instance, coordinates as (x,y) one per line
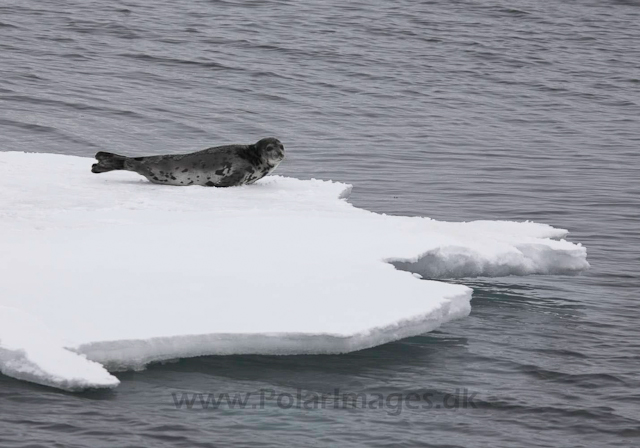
(111,272)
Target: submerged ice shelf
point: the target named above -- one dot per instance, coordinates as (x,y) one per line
(110,272)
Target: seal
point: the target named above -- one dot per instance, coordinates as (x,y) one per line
(221,166)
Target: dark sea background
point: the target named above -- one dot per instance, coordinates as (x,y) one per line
(456,110)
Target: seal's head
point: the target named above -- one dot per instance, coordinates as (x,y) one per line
(271,149)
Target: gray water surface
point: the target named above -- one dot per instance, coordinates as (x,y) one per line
(456,110)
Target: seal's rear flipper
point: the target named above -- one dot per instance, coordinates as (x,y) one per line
(108,162)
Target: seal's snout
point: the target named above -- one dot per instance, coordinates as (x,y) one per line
(271,148)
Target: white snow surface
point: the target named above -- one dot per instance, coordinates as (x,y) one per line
(111,272)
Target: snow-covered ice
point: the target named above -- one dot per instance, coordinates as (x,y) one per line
(109,272)
(30,352)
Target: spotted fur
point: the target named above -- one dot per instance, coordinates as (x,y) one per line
(222,166)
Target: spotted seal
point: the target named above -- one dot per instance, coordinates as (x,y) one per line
(221,166)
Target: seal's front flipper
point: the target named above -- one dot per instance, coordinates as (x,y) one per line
(108,162)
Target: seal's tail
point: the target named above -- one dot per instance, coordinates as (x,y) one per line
(108,162)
